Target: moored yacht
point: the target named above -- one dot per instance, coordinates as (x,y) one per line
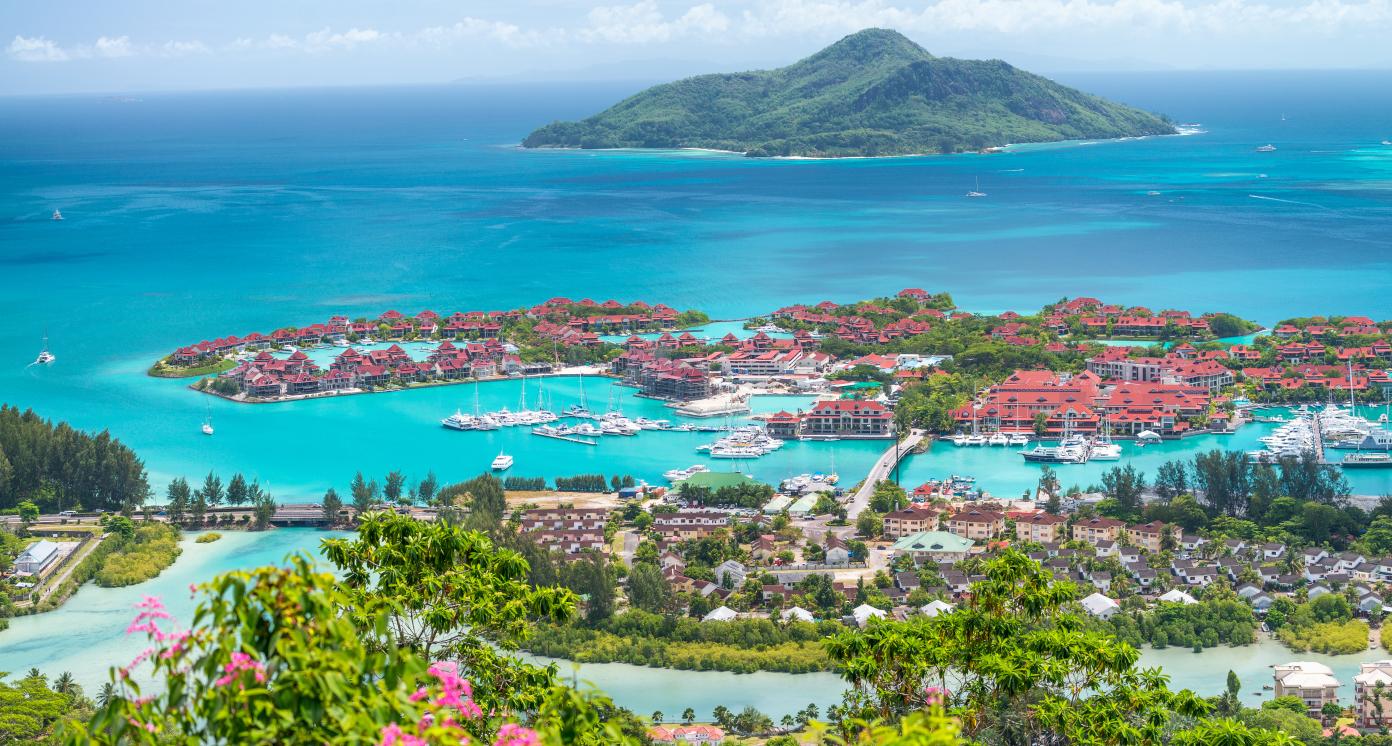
(998,439)
(459,421)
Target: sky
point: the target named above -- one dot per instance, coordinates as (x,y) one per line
(69,46)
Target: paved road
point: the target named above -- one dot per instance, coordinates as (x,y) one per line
(880,472)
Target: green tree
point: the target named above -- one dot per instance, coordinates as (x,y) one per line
(447,592)
(427,487)
(888,497)
(177,499)
(1021,661)
(331,505)
(869,524)
(689,716)
(212,490)
(276,640)
(362,494)
(28,512)
(647,588)
(395,481)
(237,491)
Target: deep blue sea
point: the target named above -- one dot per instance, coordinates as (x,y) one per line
(196,215)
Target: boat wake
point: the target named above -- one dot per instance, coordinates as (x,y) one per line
(1287,201)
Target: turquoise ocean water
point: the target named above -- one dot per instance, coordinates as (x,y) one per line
(196,215)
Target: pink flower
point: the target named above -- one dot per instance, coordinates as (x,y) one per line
(241,662)
(419,694)
(512,734)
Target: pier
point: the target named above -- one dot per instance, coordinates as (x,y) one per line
(567,438)
(884,466)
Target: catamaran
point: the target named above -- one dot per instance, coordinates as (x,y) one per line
(45,357)
(503,462)
(977,191)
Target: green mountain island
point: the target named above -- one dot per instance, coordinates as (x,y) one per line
(873,93)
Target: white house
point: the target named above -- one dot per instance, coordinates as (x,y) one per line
(936,607)
(722,614)
(865,612)
(798,614)
(1178,596)
(1100,606)
(37,557)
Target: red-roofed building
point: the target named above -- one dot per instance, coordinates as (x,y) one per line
(847,418)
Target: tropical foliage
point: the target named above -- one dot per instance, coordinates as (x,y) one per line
(142,555)
(1017,666)
(872,93)
(60,468)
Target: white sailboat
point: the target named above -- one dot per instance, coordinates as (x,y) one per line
(57,215)
(208,425)
(977,191)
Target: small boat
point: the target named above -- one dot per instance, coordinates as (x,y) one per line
(998,439)
(1268,148)
(45,357)
(208,426)
(1152,193)
(59,216)
(1019,439)
(1384,142)
(503,462)
(977,191)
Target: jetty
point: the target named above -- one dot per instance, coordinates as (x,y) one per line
(566,438)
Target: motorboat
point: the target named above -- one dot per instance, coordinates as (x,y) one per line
(459,421)
(1268,148)
(45,357)
(502,462)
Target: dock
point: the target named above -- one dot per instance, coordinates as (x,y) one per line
(567,438)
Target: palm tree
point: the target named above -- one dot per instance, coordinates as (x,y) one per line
(689,715)
(722,714)
(105,694)
(35,673)
(65,684)
(788,722)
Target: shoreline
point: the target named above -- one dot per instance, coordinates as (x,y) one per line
(355,392)
(989,150)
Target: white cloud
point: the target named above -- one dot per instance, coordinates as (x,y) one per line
(182,48)
(1239,17)
(643,23)
(36,49)
(107,46)
(326,39)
